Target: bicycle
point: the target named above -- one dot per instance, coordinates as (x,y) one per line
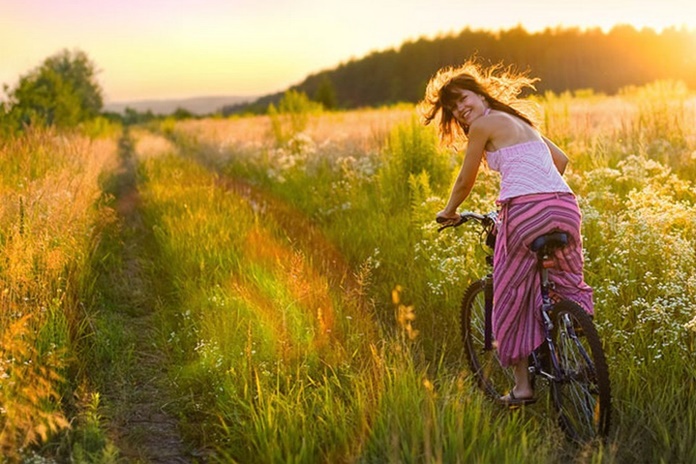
(571,358)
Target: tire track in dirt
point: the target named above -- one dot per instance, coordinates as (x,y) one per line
(140,426)
(324,258)
(324,254)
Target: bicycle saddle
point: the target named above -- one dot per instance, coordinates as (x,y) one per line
(550,242)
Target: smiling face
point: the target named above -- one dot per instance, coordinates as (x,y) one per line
(466,106)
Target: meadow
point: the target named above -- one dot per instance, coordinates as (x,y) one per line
(307,306)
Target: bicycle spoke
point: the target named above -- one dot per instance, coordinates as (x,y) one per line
(581,398)
(571,360)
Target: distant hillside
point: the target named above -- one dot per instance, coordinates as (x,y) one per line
(563,59)
(198,105)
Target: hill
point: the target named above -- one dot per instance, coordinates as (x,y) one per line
(563,59)
(196,105)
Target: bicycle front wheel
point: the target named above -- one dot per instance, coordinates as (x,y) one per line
(582,394)
(494,379)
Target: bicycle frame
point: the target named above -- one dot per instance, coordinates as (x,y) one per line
(570,359)
(535,365)
(545,261)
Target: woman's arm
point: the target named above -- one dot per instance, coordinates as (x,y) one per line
(560,160)
(467,174)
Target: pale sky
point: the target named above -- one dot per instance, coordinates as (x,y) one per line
(156,49)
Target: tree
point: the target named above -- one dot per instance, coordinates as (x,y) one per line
(326,94)
(563,58)
(182,113)
(62,92)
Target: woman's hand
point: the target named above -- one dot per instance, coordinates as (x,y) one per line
(446,218)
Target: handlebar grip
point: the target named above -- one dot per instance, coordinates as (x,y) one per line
(487,220)
(447,223)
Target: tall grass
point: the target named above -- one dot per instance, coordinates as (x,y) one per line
(309,305)
(49,221)
(282,356)
(632,165)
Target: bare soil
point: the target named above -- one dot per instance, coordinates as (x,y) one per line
(138,398)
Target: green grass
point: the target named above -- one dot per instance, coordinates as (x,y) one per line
(637,198)
(280,366)
(309,308)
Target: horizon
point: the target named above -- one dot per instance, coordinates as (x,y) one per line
(181,49)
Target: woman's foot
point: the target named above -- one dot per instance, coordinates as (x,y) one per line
(517,399)
(522,392)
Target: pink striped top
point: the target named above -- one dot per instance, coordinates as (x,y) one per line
(526,168)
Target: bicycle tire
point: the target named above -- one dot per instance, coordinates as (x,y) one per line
(494,379)
(582,396)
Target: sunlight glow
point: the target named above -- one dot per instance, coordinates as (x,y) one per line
(178,48)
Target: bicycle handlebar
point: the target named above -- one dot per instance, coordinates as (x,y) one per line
(485,219)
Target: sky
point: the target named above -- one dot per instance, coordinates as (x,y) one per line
(161,49)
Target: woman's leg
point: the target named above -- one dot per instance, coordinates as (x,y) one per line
(523,387)
(522,392)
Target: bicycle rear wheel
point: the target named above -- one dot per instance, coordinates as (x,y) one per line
(582,396)
(494,379)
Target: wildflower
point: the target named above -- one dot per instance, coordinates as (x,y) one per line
(406,315)
(691,325)
(395,294)
(405,318)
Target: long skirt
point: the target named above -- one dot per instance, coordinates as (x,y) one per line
(517,321)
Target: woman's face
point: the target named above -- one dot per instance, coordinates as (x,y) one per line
(467,106)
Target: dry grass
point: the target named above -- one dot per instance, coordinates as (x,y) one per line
(363,130)
(49,196)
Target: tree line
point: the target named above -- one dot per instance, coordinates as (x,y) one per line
(64,92)
(565,59)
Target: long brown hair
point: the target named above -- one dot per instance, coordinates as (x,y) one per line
(499,85)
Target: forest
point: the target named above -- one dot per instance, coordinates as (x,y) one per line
(564,59)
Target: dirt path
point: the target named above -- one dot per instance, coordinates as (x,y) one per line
(137,394)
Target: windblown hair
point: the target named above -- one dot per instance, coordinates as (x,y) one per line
(500,86)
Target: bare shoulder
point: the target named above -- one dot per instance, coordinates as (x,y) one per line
(503,129)
(482,129)
(489,124)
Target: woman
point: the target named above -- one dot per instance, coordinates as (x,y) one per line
(476,105)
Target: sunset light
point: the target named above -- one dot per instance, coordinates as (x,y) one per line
(166,49)
(356,231)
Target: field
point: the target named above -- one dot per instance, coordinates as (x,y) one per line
(273,288)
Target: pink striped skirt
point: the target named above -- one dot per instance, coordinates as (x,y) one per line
(517,321)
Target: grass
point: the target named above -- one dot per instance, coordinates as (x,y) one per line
(633,174)
(308,307)
(50,219)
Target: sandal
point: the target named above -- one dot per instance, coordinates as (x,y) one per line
(511,400)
